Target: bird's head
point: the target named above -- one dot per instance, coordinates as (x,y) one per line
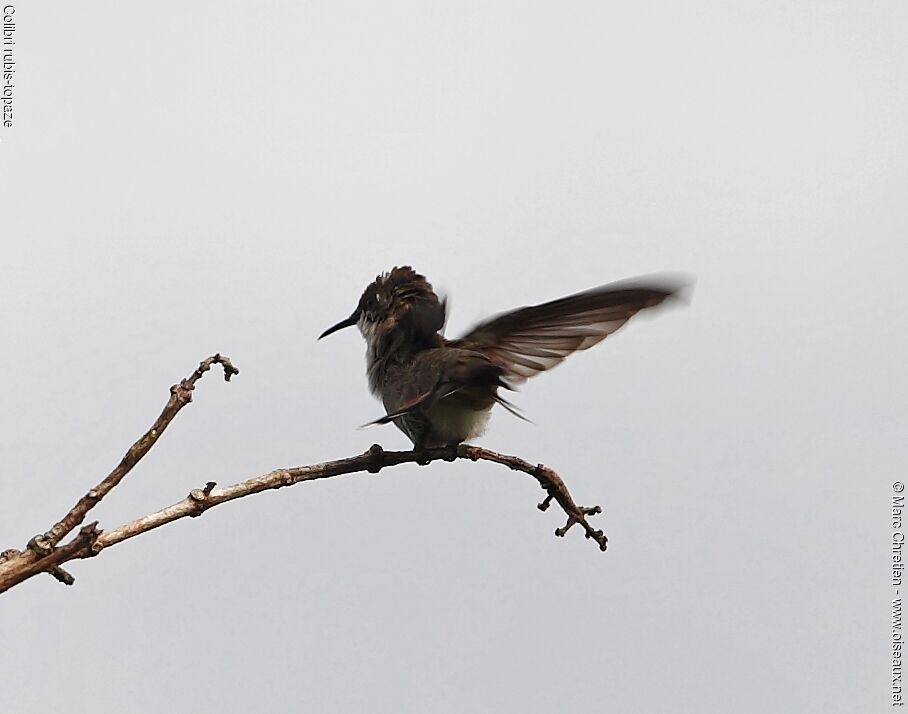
(399,304)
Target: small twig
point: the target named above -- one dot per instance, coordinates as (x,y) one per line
(62,575)
(554,487)
(44,544)
(180,396)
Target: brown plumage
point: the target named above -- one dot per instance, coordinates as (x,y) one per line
(440,391)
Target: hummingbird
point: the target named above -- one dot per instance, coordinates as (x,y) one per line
(440,392)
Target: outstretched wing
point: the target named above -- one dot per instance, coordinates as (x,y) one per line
(533,339)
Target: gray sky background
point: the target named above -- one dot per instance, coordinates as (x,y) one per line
(202,177)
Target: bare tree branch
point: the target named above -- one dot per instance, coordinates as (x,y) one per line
(41,547)
(374,460)
(44,554)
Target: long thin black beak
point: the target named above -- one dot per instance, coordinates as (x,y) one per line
(348,322)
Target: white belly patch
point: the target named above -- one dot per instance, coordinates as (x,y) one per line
(453,422)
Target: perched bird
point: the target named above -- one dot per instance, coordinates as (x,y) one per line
(440,392)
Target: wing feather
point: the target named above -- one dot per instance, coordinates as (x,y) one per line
(533,339)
